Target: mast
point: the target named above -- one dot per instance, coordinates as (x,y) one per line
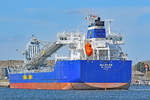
(109,26)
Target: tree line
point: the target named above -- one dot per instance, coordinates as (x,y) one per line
(140,66)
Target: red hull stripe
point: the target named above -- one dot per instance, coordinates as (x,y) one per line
(66,86)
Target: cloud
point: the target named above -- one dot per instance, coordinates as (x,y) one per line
(36,10)
(146,9)
(82,11)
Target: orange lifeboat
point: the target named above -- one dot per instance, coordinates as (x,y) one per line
(88,49)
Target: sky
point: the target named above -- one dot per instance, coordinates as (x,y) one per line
(19,19)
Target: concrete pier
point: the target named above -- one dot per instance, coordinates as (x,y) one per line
(4,83)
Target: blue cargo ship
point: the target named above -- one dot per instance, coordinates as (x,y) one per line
(95,61)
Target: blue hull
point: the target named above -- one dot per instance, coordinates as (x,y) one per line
(80,71)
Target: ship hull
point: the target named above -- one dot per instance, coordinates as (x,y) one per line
(79,74)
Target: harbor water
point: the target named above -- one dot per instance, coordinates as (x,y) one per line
(134,93)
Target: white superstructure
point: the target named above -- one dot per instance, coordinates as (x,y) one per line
(104,46)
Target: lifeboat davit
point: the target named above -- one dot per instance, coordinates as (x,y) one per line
(88,49)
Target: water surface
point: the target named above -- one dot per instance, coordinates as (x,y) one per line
(134,93)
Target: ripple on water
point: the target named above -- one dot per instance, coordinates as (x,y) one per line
(134,93)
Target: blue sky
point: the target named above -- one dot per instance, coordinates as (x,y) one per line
(19,19)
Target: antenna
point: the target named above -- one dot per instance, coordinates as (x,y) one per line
(109,25)
(33,35)
(91,18)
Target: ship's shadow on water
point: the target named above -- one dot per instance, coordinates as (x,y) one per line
(134,93)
